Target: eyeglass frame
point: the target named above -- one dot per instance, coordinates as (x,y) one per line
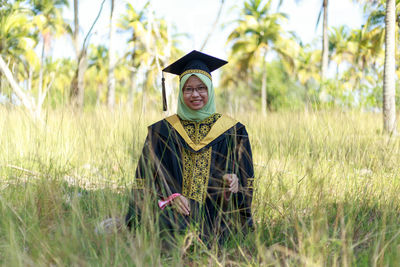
(195,89)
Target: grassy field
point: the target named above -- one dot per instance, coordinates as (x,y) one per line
(327,192)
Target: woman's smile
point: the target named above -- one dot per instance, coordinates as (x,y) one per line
(197,102)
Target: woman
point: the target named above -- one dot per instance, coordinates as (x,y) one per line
(197,165)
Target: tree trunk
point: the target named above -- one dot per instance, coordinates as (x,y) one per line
(325,47)
(264,93)
(77,91)
(40,86)
(144,93)
(111,60)
(389,88)
(25,99)
(30,75)
(148,47)
(213,26)
(264,86)
(76,28)
(98,93)
(132,89)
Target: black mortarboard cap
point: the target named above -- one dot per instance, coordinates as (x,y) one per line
(194,62)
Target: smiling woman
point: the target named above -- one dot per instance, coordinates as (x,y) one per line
(197,165)
(195,93)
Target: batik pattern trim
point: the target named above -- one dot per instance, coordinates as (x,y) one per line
(196,165)
(196,172)
(198,130)
(195,71)
(220,126)
(250,183)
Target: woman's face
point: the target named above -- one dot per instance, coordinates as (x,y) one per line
(195,93)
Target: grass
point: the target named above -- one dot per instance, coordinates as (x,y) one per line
(326,192)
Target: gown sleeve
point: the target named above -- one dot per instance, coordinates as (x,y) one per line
(245,172)
(153,179)
(145,172)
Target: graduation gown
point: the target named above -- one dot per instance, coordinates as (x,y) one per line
(190,158)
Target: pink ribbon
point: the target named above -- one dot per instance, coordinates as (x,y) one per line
(165,202)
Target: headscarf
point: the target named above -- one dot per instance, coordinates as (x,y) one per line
(186,113)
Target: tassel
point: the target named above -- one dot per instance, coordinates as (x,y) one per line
(164,97)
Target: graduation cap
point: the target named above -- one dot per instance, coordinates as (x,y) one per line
(194,62)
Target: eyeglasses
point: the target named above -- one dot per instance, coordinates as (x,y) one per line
(189,90)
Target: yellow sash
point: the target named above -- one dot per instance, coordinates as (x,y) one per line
(219,127)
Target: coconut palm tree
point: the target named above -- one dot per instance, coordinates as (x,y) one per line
(150,46)
(77,90)
(17,41)
(256,33)
(98,62)
(382,21)
(50,23)
(134,21)
(325,46)
(340,47)
(389,87)
(303,63)
(15,31)
(325,43)
(111,61)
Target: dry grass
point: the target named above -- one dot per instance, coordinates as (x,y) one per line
(326,192)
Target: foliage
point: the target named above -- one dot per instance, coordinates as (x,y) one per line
(257,42)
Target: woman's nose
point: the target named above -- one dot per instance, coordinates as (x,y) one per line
(195,93)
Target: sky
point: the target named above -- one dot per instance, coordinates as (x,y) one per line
(195,18)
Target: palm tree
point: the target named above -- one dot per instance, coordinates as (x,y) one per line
(325,47)
(77,90)
(325,42)
(257,32)
(17,41)
(389,87)
(340,47)
(98,61)
(383,15)
(303,63)
(111,62)
(16,45)
(151,45)
(214,25)
(134,21)
(15,31)
(49,22)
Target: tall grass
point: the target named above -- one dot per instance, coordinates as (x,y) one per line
(327,192)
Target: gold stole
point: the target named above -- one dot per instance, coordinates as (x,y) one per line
(196,165)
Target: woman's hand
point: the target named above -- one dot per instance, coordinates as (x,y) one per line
(233,181)
(181,204)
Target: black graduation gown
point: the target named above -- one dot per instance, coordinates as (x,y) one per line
(161,173)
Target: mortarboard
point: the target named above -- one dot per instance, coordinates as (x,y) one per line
(194,62)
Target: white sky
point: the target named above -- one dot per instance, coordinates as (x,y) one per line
(196,17)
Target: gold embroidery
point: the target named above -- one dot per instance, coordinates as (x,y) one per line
(138,183)
(195,71)
(198,130)
(219,127)
(196,171)
(196,165)
(250,183)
